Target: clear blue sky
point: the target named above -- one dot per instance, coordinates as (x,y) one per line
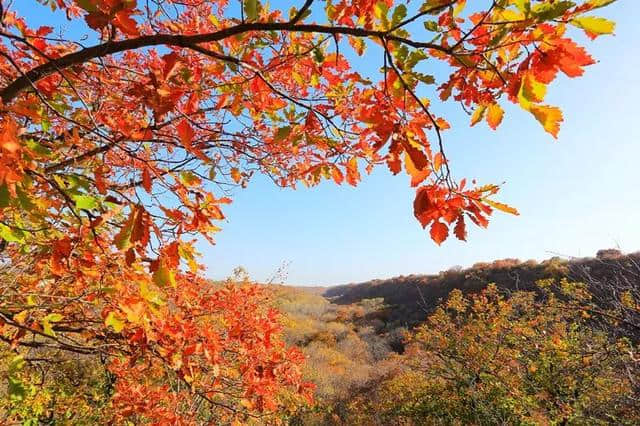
(575,195)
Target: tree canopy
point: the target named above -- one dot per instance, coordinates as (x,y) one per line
(119,148)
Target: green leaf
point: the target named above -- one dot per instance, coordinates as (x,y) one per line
(189,178)
(415,57)
(549,11)
(87,5)
(16,364)
(433,6)
(11,235)
(86,202)
(425,78)
(318,56)
(38,149)
(54,317)
(4,196)
(25,200)
(282,133)
(163,276)
(122,240)
(399,13)
(251,9)
(46,323)
(16,389)
(401,53)
(294,11)
(431,26)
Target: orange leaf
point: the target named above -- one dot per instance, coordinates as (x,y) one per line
(170,64)
(9,139)
(353,175)
(236,175)
(494,115)
(550,117)
(417,176)
(394,163)
(443,124)
(140,231)
(337,175)
(438,160)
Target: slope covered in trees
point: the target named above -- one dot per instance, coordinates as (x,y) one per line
(536,348)
(411,297)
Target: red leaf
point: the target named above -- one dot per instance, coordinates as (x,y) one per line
(140,231)
(421,205)
(460,230)
(126,23)
(146,180)
(170,64)
(418,158)
(185,132)
(439,232)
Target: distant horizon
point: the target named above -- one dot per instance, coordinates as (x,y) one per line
(464,267)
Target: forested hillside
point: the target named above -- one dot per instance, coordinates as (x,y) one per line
(409,298)
(554,342)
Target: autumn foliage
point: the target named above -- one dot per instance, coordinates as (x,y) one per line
(117,150)
(493,358)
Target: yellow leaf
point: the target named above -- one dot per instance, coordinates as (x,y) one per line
(478,114)
(298,78)
(531,89)
(149,295)
(502,207)
(459,7)
(113,321)
(214,20)
(135,312)
(163,276)
(594,26)
(46,323)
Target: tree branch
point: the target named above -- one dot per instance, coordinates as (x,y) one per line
(10,92)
